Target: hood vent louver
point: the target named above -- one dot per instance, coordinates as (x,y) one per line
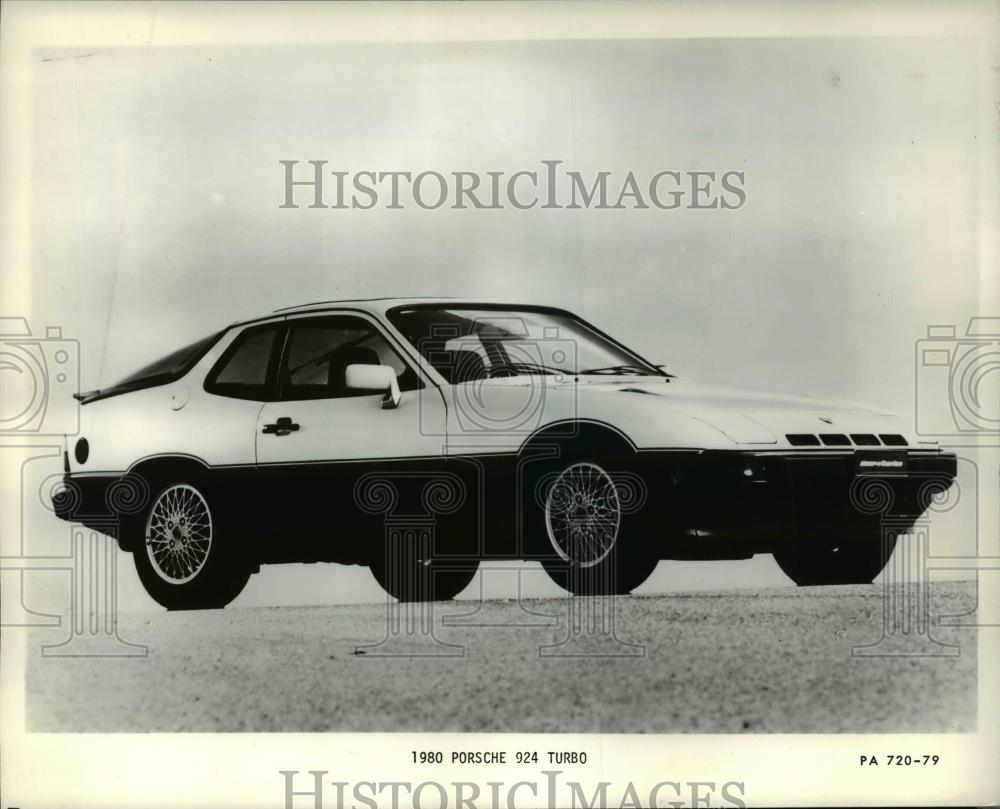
(865,439)
(802,440)
(893,440)
(840,440)
(835,440)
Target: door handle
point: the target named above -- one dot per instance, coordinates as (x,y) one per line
(283,426)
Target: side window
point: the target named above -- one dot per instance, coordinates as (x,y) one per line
(243,372)
(319,351)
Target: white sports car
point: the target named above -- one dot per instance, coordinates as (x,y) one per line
(421,436)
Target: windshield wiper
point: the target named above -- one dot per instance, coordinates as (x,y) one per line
(515,368)
(620,370)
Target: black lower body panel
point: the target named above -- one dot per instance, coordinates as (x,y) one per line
(734,504)
(695,504)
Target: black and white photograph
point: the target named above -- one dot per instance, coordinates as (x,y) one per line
(499,404)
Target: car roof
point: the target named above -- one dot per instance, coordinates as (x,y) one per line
(379,306)
(374,305)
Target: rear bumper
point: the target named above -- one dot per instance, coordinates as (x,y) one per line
(93,501)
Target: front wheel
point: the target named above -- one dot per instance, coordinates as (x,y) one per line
(834,561)
(596,543)
(186,558)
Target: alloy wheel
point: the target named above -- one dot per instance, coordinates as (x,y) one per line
(179,534)
(583,514)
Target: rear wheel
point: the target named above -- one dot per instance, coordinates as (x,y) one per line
(833,561)
(187,557)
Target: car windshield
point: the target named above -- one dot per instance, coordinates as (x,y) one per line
(465,343)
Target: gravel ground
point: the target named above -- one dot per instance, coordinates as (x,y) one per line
(738,661)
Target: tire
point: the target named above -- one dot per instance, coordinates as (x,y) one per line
(409,572)
(832,562)
(185,552)
(592,539)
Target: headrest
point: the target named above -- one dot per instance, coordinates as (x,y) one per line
(459,365)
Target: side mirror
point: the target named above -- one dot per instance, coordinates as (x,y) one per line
(375,378)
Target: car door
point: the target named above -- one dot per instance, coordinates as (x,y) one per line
(325,449)
(237,385)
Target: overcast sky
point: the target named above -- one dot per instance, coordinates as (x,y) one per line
(156,189)
(156,193)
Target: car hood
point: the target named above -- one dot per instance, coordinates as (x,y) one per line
(745,415)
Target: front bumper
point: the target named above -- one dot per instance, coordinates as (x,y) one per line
(772,497)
